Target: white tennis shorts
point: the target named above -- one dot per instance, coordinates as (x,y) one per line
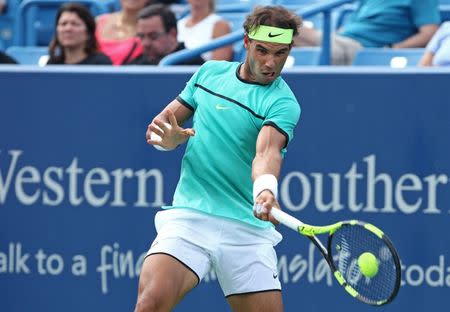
(241,256)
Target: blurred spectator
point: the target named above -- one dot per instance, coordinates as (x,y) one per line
(203,25)
(2,6)
(157,30)
(437,52)
(375,23)
(6,59)
(74,41)
(116,32)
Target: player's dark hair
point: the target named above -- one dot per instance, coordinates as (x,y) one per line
(276,16)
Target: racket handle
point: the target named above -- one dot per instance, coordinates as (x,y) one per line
(286,219)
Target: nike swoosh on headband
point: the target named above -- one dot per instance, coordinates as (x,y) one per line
(271,34)
(276,35)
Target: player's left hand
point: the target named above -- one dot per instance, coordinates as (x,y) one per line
(168,135)
(263,204)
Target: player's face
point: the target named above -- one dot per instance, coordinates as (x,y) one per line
(265,60)
(71,31)
(156,42)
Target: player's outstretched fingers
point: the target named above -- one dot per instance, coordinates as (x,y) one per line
(171,117)
(156,129)
(148,134)
(164,127)
(189,132)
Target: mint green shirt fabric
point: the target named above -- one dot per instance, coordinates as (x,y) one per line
(378,23)
(228,115)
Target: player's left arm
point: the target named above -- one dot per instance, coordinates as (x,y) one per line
(266,168)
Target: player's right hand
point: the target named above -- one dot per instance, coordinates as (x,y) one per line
(264,202)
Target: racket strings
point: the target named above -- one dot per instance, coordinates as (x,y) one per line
(346,245)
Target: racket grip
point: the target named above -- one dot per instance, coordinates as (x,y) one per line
(286,219)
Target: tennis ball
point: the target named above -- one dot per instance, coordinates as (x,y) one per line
(368,264)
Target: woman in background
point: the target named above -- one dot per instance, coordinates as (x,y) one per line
(74,41)
(202,26)
(116,32)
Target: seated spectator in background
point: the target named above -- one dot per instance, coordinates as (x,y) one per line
(116,32)
(202,26)
(157,30)
(6,59)
(437,52)
(2,6)
(74,41)
(393,23)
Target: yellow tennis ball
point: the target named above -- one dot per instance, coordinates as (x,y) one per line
(368,264)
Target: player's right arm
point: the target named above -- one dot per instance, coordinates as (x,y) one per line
(168,126)
(266,168)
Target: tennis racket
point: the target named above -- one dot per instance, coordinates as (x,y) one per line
(347,242)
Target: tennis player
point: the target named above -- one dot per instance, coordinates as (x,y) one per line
(244,117)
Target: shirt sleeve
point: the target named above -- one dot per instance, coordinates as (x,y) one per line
(425,12)
(284,116)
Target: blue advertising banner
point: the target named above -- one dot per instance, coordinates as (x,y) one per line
(79,186)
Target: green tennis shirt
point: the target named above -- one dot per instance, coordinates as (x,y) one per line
(228,115)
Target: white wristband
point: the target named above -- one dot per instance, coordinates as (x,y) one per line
(155,137)
(265,182)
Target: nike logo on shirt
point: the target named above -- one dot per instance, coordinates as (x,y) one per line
(220,107)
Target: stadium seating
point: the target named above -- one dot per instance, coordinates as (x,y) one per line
(29,55)
(234,5)
(238,2)
(396,58)
(239,52)
(305,56)
(36,19)
(236,19)
(445,12)
(343,15)
(294,2)
(7,23)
